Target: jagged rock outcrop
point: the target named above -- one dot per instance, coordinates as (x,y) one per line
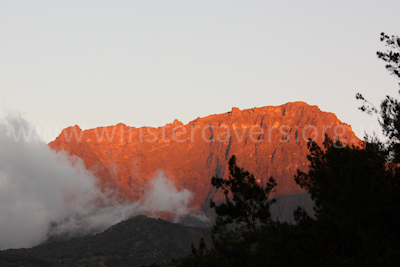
(268,141)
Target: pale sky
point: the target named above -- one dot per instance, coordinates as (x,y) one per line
(146,63)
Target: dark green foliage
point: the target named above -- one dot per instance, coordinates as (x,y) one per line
(391,56)
(390,107)
(8,259)
(194,250)
(337,174)
(135,242)
(244,212)
(357,196)
(357,203)
(390,122)
(202,245)
(389,111)
(246,204)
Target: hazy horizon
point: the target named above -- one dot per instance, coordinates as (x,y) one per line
(147,63)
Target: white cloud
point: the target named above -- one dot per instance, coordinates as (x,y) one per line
(42,194)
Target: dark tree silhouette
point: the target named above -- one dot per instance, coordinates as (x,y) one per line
(357,203)
(389,112)
(202,245)
(392,55)
(356,190)
(246,204)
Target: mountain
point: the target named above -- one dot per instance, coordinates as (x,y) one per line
(138,241)
(268,141)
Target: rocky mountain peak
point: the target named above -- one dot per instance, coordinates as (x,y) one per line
(268,141)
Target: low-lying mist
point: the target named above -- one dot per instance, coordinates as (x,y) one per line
(43,195)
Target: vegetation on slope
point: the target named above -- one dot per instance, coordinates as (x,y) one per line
(135,242)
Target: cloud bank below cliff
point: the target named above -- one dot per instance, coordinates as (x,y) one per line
(43,194)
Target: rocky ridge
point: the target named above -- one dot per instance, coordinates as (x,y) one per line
(268,141)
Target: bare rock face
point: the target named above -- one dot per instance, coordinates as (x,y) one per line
(268,141)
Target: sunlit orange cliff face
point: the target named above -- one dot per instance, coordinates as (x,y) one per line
(268,141)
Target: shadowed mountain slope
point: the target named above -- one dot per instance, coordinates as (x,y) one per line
(135,242)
